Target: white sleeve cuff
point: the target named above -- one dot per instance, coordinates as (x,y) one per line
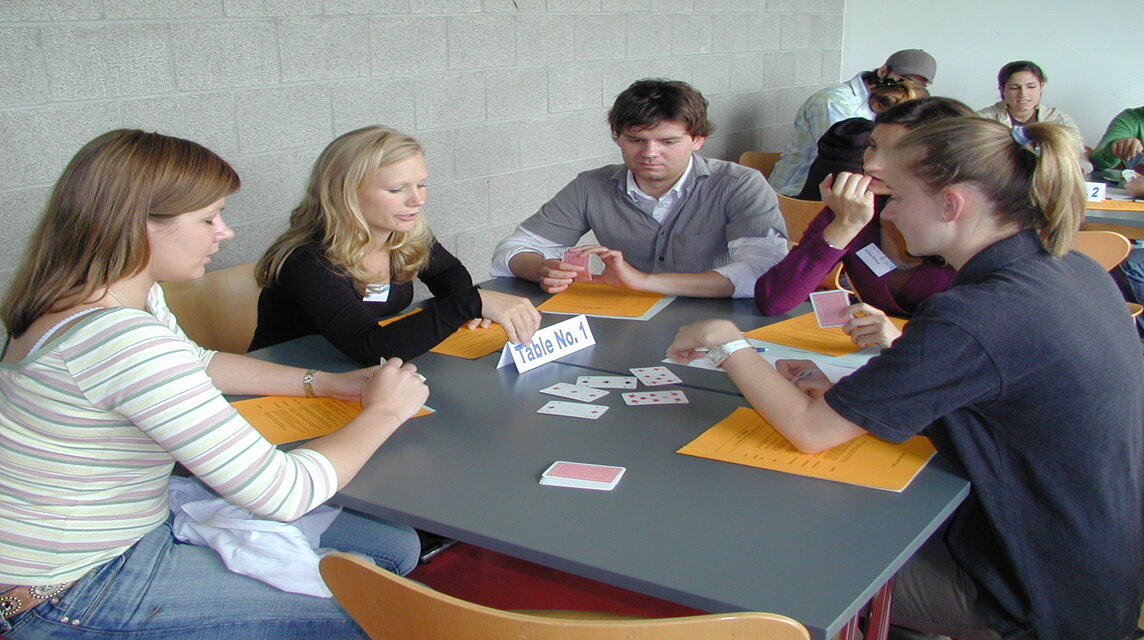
(520,241)
(751,258)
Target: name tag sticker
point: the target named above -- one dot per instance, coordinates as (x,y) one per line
(875,259)
(548,344)
(376,293)
(1095,191)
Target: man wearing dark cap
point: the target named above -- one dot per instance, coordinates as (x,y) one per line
(838,102)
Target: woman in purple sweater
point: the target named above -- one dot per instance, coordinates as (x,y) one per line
(882,273)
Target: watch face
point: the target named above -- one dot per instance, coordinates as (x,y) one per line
(716,356)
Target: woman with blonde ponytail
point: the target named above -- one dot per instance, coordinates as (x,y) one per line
(355,243)
(1027,376)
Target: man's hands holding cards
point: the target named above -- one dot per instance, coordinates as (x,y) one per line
(555,275)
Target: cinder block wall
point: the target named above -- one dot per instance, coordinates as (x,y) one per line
(508,96)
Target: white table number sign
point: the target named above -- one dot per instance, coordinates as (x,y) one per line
(548,344)
(1095,191)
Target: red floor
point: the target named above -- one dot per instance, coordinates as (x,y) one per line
(503,582)
(500,581)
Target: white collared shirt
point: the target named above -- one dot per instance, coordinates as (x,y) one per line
(658,208)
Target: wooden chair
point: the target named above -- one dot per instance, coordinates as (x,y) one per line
(833,280)
(1109,249)
(798,214)
(390,607)
(219,310)
(764,161)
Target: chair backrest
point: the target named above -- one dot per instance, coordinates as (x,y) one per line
(798,214)
(833,278)
(1108,248)
(764,161)
(219,310)
(390,607)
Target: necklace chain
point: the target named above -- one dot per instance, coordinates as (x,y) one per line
(116,297)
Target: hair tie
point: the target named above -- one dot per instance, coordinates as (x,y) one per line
(1023,140)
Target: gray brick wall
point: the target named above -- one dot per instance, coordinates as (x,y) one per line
(508,96)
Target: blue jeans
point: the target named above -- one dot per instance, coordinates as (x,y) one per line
(1133,270)
(161,589)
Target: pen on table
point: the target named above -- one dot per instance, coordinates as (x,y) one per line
(757,350)
(803,375)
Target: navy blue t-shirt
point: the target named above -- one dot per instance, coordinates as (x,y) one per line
(1028,373)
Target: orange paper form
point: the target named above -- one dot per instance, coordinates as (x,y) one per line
(744,437)
(601,300)
(282,419)
(465,342)
(803,332)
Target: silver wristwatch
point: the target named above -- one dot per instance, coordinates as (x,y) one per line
(717,355)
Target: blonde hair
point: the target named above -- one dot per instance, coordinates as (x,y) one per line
(329,211)
(94,228)
(1037,185)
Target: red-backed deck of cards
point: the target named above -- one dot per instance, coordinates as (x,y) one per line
(581,475)
(580,260)
(830,307)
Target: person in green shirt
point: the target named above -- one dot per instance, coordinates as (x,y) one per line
(1122,141)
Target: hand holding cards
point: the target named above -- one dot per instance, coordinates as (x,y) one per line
(830,307)
(580,475)
(575,258)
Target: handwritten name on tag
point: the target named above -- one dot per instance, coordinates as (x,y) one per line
(548,344)
(874,258)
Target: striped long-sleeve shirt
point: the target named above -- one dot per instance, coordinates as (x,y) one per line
(90,426)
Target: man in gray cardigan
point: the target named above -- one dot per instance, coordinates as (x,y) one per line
(668,220)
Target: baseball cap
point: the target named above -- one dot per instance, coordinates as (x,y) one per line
(913,62)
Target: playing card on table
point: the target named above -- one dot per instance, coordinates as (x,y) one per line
(573,410)
(654,397)
(574,391)
(830,307)
(607,382)
(580,260)
(655,376)
(581,475)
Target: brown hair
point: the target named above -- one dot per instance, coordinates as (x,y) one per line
(94,228)
(887,94)
(648,102)
(1018,66)
(1037,185)
(329,212)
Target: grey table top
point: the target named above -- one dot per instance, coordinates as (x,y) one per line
(644,343)
(1111,216)
(715,536)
